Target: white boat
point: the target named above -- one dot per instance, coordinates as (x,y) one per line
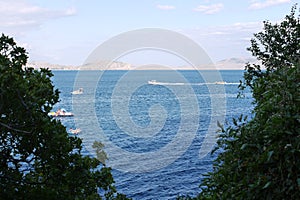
(153,82)
(75,131)
(220,83)
(61,113)
(80,91)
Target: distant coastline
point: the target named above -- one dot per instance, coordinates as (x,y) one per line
(226,64)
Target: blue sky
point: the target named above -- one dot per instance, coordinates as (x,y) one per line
(67,31)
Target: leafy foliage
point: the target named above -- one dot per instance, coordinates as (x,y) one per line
(38,160)
(101,155)
(259,158)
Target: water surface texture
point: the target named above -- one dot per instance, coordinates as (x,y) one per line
(159,107)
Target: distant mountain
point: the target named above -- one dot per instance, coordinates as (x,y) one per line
(38,65)
(104,65)
(231,63)
(235,63)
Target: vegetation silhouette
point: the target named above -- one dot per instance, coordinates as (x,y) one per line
(259,158)
(38,159)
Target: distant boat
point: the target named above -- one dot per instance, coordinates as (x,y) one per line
(61,113)
(153,82)
(80,91)
(75,131)
(220,83)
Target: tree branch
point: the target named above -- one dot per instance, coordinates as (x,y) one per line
(13,129)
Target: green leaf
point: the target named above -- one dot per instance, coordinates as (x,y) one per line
(244,146)
(267,185)
(270,153)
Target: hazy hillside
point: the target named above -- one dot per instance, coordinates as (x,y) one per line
(231,63)
(234,63)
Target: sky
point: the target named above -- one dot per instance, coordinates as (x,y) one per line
(67,31)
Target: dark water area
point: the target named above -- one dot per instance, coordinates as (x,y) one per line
(151,163)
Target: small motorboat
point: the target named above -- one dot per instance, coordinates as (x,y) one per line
(220,83)
(61,113)
(80,91)
(75,131)
(153,82)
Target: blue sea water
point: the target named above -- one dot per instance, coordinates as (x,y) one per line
(124,105)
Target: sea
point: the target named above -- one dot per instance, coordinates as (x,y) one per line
(157,135)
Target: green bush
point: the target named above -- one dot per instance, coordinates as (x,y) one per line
(38,160)
(260,158)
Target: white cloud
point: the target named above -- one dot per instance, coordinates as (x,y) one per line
(209,9)
(255,5)
(233,31)
(70,11)
(23,44)
(20,15)
(226,41)
(165,7)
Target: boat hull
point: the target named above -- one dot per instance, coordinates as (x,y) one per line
(66,114)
